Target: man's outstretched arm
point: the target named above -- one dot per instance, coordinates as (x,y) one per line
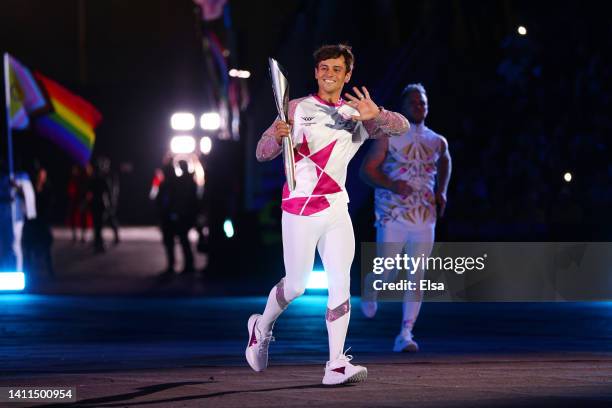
(387,124)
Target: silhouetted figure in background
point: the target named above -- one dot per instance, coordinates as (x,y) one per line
(111,213)
(7,255)
(79,215)
(177,201)
(37,236)
(101,191)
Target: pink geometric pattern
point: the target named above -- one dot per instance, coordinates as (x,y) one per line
(334,314)
(325,183)
(280,294)
(315,205)
(294,205)
(303,151)
(322,156)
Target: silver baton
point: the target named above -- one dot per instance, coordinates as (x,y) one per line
(280,87)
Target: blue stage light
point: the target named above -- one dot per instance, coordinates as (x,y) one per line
(12,281)
(228,228)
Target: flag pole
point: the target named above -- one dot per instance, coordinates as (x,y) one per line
(7,103)
(9,132)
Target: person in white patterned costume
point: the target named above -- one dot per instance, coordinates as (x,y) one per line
(410,174)
(326,132)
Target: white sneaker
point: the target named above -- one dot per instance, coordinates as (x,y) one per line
(341,371)
(405,343)
(369,308)
(257,347)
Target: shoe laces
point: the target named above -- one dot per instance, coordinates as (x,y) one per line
(265,342)
(406,335)
(345,357)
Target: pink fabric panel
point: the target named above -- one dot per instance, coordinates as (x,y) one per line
(326,185)
(294,205)
(315,205)
(387,124)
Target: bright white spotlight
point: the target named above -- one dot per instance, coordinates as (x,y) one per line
(567,177)
(205,144)
(317,280)
(239,73)
(182,144)
(228,228)
(182,121)
(521,30)
(12,281)
(210,121)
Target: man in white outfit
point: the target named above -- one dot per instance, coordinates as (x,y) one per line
(410,175)
(326,132)
(23,208)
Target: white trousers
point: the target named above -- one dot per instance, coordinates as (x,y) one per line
(413,243)
(17,234)
(332,235)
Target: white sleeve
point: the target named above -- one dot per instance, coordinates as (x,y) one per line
(29,198)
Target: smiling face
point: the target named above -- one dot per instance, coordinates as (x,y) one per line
(331,75)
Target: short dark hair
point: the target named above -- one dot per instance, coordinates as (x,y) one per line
(335,51)
(410,88)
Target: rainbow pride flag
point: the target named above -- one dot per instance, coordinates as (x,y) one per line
(72,122)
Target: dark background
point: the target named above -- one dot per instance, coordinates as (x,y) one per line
(518,111)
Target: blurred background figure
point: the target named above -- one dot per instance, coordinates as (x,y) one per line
(158,194)
(79,215)
(113,202)
(177,202)
(104,197)
(7,256)
(24,208)
(72,195)
(410,175)
(37,236)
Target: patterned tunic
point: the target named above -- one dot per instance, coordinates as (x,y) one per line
(411,157)
(325,139)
